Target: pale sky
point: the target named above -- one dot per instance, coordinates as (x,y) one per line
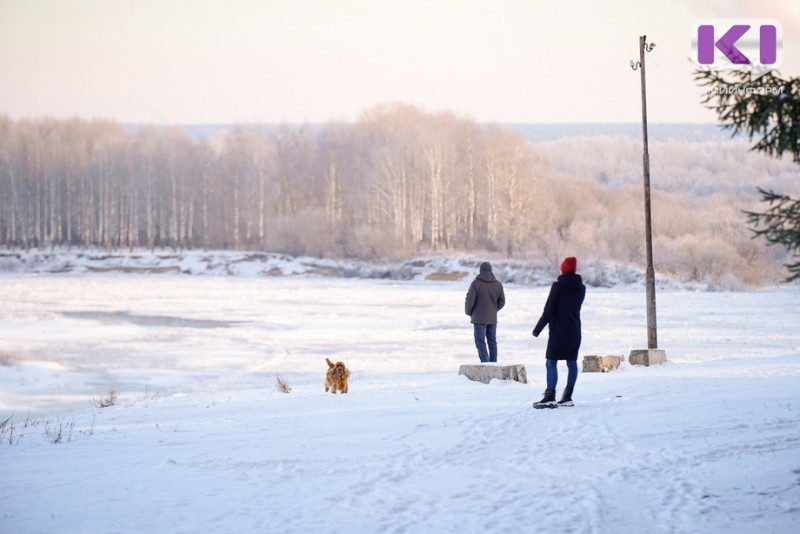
(223,61)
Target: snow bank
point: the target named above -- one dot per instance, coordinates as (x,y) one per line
(227,263)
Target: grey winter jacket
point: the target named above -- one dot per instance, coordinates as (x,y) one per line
(484,299)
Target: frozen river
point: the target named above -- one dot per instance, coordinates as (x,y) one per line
(67,338)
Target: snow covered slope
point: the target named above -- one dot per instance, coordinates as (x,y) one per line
(201,441)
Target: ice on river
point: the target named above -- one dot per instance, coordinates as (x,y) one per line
(200,440)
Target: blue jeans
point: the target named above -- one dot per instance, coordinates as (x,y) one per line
(486,333)
(552,373)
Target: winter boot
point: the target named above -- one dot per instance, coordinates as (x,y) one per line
(566,397)
(548,401)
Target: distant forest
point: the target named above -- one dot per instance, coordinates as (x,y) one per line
(398,182)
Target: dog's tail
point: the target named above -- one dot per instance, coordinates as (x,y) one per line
(330,363)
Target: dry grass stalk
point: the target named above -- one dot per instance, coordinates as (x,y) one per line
(281,385)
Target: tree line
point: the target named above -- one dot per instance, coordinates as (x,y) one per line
(397,181)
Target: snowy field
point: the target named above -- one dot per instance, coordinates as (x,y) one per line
(200,440)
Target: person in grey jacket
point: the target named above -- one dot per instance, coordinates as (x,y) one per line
(484,299)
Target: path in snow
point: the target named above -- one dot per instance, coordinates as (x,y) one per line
(708,442)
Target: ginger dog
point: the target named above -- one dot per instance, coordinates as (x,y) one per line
(336,379)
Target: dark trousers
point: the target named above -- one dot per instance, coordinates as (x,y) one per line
(486,333)
(552,373)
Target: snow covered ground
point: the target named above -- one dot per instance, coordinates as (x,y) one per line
(536,272)
(200,440)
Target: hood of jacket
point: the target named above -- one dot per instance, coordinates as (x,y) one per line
(487,276)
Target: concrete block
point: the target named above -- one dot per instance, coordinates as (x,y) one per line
(602,364)
(647,357)
(485,372)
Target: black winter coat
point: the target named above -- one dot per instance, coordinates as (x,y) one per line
(562,312)
(484,299)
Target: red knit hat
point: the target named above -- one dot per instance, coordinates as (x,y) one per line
(569,265)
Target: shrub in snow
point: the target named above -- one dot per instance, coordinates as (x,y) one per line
(109,399)
(281,385)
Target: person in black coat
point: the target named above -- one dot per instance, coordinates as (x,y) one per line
(562,312)
(484,299)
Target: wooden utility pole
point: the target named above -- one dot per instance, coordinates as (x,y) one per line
(650,277)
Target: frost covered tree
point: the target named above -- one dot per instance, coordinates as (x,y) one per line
(395,183)
(767,109)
